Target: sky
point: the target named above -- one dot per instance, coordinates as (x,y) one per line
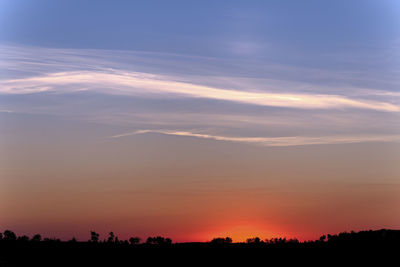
(199,119)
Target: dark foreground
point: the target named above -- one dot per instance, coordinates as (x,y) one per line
(382,247)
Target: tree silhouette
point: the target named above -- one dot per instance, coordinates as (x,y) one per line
(254,240)
(111,237)
(9,235)
(276,241)
(35,252)
(322,238)
(222,240)
(159,240)
(23,238)
(36,238)
(94,237)
(134,240)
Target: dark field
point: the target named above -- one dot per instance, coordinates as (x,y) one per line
(382,247)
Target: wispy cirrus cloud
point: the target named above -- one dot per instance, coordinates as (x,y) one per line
(140,90)
(274,141)
(145,84)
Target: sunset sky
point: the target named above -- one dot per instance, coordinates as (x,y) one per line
(198,119)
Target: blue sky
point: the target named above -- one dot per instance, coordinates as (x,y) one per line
(153,99)
(204,28)
(344,35)
(318,72)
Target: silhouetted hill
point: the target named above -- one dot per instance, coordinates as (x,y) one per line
(381,245)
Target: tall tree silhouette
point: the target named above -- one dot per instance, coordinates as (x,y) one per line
(111,237)
(94,237)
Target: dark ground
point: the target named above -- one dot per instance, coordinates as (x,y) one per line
(381,247)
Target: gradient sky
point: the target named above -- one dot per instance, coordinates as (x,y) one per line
(197,119)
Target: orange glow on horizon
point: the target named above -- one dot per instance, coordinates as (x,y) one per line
(240,232)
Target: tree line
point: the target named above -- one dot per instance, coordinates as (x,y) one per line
(348,237)
(9,235)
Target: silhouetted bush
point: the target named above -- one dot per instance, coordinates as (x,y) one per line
(221,240)
(36,238)
(158,240)
(134,240)
(23,238)
(9,235)
(254,240)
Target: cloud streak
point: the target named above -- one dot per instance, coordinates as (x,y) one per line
(274,141)
(153,85)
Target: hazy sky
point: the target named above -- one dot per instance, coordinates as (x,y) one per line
(197,119)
